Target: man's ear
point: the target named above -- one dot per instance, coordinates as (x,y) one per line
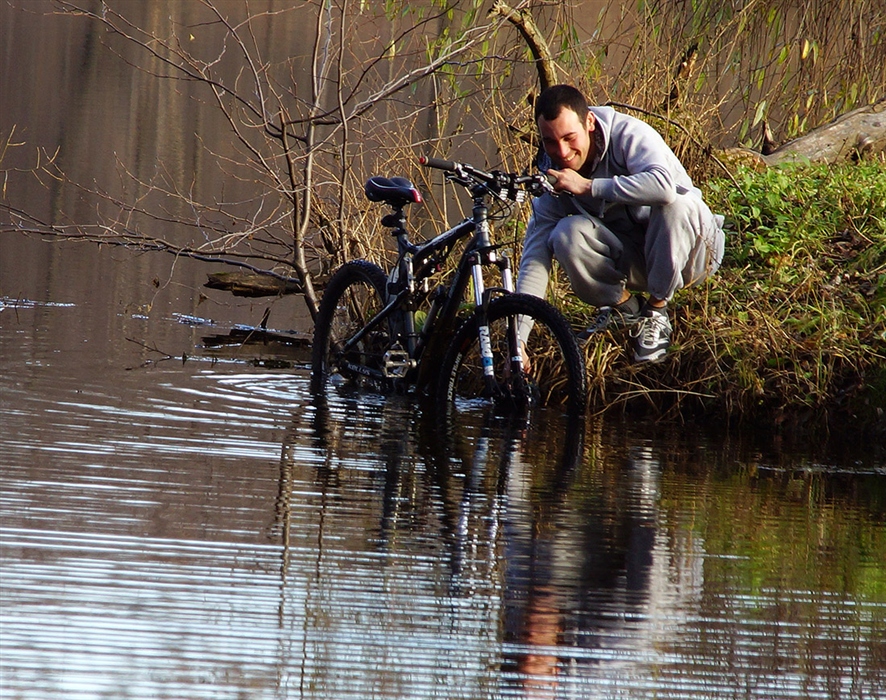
(591,122)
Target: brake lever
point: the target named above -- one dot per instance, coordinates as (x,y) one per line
(540,184)
(548,186)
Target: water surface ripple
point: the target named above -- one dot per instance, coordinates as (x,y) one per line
(191,528)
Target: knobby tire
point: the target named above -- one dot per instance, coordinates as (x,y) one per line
(557,374)
(354,294)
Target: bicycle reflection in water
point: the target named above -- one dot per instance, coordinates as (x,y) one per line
(543,542)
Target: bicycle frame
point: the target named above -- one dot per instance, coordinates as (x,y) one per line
(416,326)
(415,266)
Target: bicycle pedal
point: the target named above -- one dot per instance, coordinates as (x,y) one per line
(397,363)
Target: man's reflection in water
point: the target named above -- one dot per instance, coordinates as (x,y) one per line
(563,535)
(579,552)
(537,665)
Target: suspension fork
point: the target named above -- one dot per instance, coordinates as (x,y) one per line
(486,253)
(480,306)
(514,365)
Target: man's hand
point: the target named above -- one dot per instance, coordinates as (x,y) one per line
(570,181)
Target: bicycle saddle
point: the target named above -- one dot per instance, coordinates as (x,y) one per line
(396,191)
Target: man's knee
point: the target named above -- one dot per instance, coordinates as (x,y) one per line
(567,229)
(683,213)
(579,236)
(683,246)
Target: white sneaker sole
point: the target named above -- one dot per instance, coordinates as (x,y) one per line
(656,356)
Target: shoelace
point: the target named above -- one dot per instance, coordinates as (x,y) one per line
(612,316)
(649,329)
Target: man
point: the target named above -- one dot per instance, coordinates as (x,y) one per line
(625,217)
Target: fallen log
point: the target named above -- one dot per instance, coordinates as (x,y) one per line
(252,284)
(856,133)
(859,133)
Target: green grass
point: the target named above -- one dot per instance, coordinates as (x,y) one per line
(794,323)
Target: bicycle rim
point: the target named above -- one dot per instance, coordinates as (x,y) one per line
(355,293)
(556,377)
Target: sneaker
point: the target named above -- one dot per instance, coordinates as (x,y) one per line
(651,337)
(618,317)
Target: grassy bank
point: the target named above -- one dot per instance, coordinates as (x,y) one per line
(793,326)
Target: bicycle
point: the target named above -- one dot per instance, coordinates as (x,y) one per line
(461,342)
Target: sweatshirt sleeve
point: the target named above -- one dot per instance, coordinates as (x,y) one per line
(640,152)
(537,258)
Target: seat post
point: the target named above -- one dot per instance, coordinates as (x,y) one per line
(396,221)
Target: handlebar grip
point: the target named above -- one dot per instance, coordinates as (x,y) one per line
(438,163)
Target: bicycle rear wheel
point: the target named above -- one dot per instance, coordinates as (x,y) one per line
(354,294)
(556,376)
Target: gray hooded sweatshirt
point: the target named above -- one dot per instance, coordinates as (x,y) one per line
(635,168)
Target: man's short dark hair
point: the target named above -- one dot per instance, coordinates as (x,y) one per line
(557,97)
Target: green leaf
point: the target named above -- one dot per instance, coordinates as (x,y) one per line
(760,113)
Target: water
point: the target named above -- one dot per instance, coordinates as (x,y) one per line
(193,524)
(180,518)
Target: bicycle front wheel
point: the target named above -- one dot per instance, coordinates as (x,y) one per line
(354,294)
(556,373)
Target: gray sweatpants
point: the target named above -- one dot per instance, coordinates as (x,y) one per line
(656,249)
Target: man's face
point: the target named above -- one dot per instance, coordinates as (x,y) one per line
(567,139)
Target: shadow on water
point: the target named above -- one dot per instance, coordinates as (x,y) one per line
(487,494)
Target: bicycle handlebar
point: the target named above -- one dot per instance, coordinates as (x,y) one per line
(439,163)
(534,184)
